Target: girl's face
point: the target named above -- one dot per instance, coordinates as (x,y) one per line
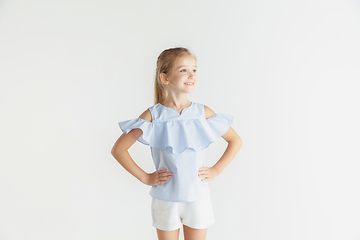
(183,76)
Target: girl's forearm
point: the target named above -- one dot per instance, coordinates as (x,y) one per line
(229,154)
(125,160)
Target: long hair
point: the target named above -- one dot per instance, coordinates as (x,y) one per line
(165,62)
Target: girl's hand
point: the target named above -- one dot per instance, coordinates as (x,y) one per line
(207,173)
(158,177)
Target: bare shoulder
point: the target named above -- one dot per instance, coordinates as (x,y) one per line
(208,112)
(146,115)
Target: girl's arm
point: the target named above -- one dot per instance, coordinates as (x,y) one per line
(121,154)
(234,145)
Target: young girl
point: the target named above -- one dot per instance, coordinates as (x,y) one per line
(178,132)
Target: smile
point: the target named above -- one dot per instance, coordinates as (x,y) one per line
(189,83)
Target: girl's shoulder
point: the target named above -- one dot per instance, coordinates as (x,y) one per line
(146,115)
(208,112)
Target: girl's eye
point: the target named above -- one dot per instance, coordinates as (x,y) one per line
(184,70)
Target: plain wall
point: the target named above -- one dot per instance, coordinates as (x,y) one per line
(287,70)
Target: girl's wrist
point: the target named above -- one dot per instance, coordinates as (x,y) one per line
(217,172)
(145,179)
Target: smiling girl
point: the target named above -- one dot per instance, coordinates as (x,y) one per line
(178,132)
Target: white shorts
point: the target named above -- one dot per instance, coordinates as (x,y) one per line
(169,216)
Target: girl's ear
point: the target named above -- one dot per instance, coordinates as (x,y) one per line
(164,78)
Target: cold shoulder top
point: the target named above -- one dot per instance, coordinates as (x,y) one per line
(178,142)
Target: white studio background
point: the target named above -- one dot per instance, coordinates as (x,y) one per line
(287,70)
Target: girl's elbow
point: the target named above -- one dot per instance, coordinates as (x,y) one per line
(113,152)
(116,150)
(240,143)
(237,141)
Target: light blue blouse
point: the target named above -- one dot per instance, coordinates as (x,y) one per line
(178,142)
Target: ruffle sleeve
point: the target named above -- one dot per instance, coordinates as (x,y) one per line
(145,126)
(218,124)
(176,136)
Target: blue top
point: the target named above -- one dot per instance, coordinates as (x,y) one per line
(178,143)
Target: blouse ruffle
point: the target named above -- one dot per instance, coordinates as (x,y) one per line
(176,136)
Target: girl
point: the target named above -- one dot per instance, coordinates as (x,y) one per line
(178,132)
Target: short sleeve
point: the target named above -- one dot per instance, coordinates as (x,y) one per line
(219,124)
(145,126)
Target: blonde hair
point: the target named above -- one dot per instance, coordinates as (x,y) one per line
(165,63)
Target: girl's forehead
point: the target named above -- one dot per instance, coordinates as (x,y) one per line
(186,60)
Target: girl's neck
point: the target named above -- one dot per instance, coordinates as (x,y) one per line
(178,102)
